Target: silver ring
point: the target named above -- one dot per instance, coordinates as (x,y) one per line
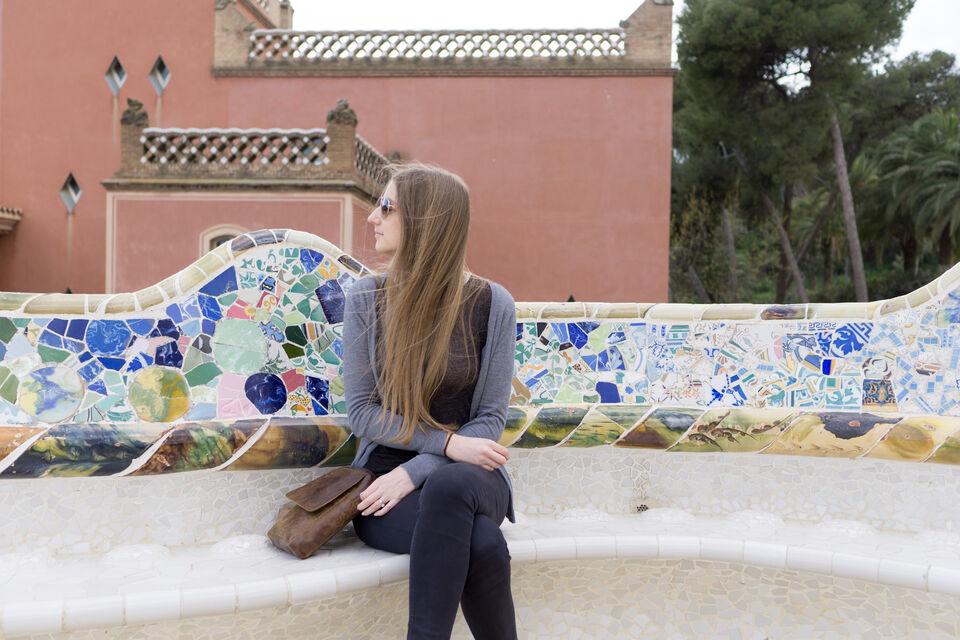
(380,500)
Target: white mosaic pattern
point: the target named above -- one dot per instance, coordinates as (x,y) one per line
(82,515)
(887,494)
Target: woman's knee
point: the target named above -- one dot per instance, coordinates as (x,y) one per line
(448,485)
(487,544)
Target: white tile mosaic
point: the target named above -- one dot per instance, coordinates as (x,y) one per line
(209,601)
(145,607)
(672,546)
(904,574)
(885,494)
(261,594)
(846,565)
(92,613)
(765,554)
(634,546)
(307,586)
(804,559)
(39,616)
(99,514)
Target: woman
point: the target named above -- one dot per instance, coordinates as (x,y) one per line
(428,365)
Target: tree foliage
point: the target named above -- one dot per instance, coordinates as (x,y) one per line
(759,85)
(921,166)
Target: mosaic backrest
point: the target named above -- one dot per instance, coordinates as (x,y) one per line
(235,363)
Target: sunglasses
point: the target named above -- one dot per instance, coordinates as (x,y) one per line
(386,205)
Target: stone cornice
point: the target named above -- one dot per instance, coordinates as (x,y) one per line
(279,69)
(226,184)
(9,217)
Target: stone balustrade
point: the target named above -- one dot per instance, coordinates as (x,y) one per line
(231,149)
(221,158)
(640,45)
(334,46)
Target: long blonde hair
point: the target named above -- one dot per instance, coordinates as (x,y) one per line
(423,291)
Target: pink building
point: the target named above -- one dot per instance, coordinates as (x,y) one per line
(563,136)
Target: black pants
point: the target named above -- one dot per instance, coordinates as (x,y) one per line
(451,529)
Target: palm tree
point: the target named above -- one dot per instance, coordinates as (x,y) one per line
(921,166)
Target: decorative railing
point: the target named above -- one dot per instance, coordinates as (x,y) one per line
(172,157)
(370,162)
(333,46)
(235,363)
(232,149)
(640,45)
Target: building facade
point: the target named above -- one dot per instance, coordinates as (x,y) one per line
(563,136)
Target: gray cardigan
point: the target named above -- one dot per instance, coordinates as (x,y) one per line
(488,409)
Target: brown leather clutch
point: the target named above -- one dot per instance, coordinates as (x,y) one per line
(318,510)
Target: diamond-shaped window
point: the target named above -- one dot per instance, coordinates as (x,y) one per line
(159,75)
(70,193)
(115,76)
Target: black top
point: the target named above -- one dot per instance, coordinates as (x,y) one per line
(451,404)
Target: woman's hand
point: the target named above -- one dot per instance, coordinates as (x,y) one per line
(479,451)
(385,492)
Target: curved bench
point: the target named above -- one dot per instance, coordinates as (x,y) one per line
(207,580)
(811,414)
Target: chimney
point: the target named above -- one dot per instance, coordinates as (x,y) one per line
(132,123)
(231,35)
(286,14)
(648,34)
(342,148)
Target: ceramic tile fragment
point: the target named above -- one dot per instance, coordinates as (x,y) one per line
(661,429)
(159,394)
(842,435)
(735,430)
(77,449)
(550,426)
(291,443)
(915,438)
(595,429)
(517,420)
(195,446)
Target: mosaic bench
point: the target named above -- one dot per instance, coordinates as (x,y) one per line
(814,446)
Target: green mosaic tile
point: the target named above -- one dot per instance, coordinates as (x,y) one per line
(227,299)
(203,374)
(293,351)
(295,335)
(7,329)
(295,317)
(239,346)
(306,285)
(8,385)
(51,354)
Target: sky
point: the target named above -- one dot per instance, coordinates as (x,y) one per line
(931,25)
